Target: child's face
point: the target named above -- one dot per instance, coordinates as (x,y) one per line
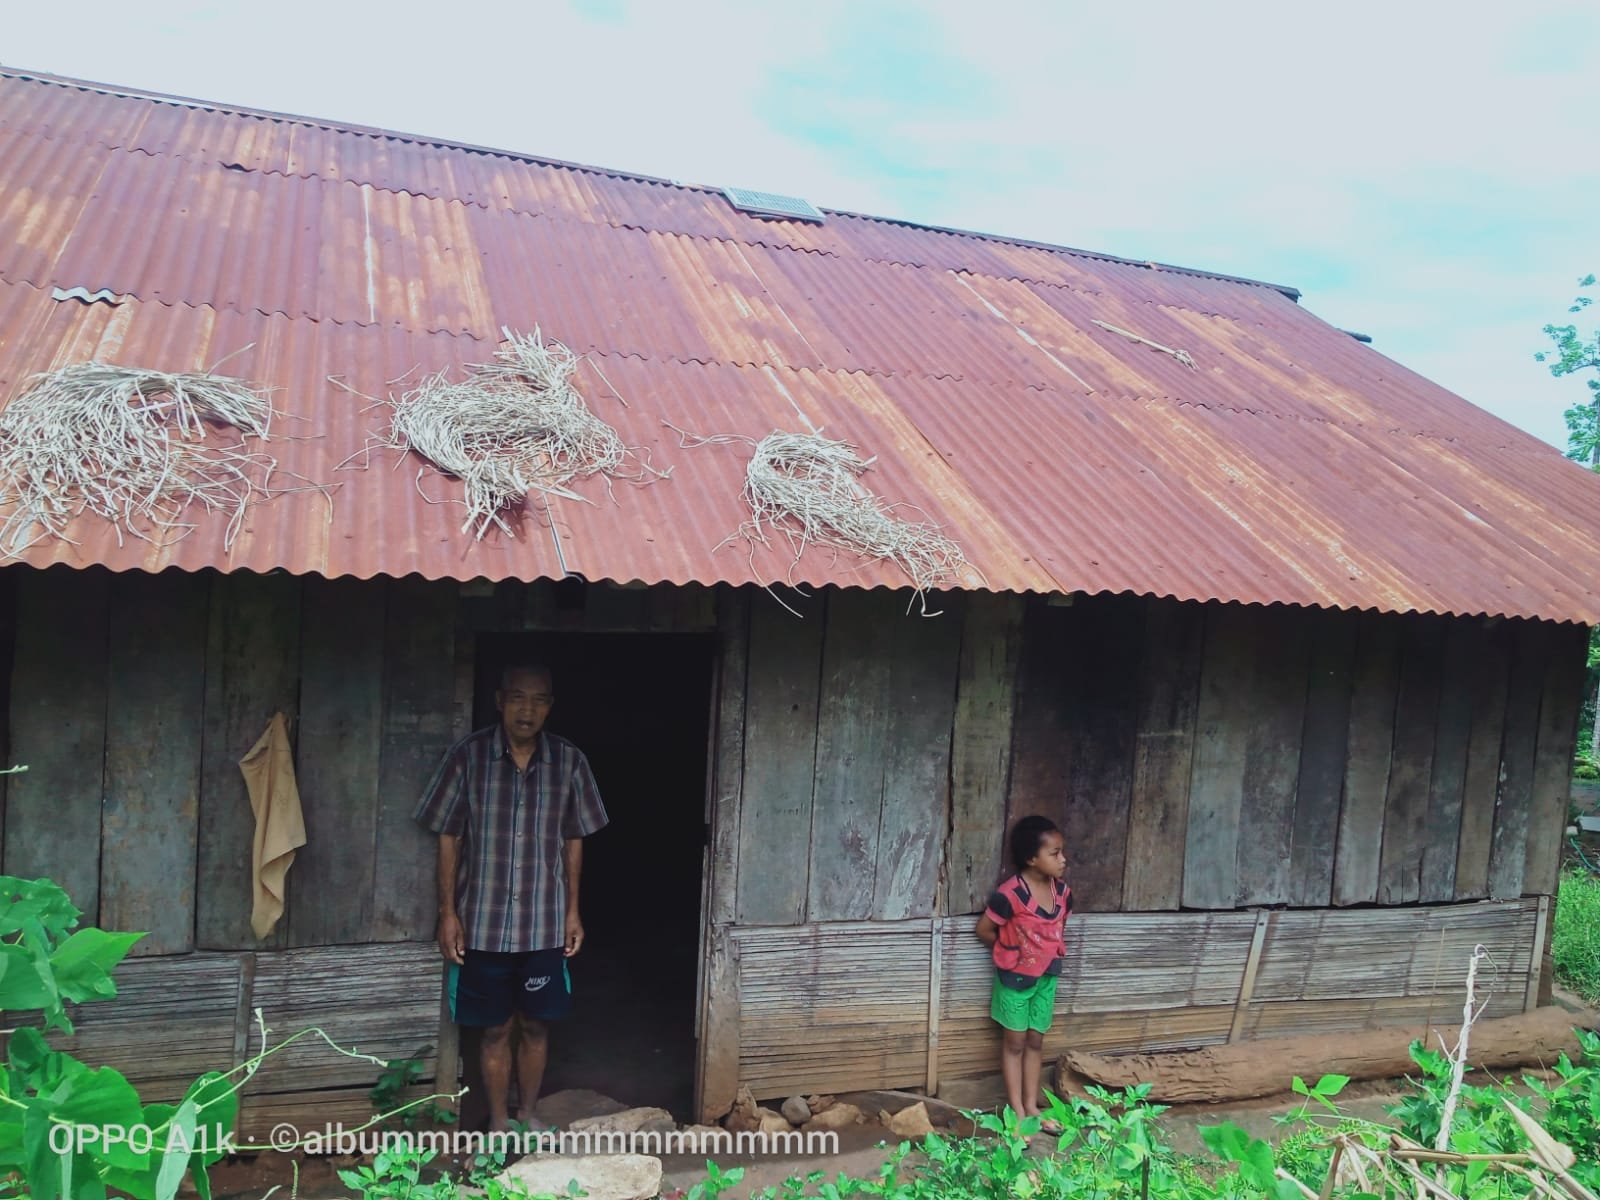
(1051,860)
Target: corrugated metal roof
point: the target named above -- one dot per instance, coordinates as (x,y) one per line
(1290,463)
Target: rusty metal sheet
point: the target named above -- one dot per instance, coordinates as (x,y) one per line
(1288,464)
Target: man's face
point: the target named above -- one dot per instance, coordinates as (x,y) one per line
(524,705)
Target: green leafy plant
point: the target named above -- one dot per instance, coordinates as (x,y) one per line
(398,1076)
(1575,934)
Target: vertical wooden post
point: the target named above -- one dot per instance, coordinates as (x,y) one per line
(243,1007)
(1536,955)
(1247,984)
(717,1081)
(935,1001)
(447,1062)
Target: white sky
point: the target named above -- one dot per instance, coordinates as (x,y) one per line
(1423,172)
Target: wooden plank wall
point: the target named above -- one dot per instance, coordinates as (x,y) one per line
(1133,981)
(1223,756)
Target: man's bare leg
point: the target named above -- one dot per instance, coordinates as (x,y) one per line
(533,1051)
(495,1059)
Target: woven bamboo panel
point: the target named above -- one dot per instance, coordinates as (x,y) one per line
(309,1112)
(1118,962)
(969,1044)
(171,1021)
(381,1000)
(1363,953)
(833,1007)
(1291,1018)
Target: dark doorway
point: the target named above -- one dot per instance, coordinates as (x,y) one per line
(638,706)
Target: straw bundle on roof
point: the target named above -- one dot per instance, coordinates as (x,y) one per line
(131,444)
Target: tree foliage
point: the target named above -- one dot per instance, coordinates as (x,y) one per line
(1576,351)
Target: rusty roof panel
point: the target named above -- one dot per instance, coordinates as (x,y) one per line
(1289,463)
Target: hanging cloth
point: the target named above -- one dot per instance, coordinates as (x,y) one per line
(280,825)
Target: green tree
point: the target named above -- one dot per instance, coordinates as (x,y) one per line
(1575,353)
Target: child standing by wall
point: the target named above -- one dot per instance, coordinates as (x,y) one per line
(1024,924)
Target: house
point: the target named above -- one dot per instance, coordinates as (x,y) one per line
(1289,639)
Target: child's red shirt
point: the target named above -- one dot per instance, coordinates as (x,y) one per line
(1032,939)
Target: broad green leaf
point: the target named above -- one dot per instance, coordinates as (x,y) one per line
(216,1102)
(21,987)
(82,964)
(41,1164)
(40,903)
(1299,1087)
(1331,1085)
(180,1149)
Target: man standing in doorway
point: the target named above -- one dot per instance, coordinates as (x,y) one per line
(511,804)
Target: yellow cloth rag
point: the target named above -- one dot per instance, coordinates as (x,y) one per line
(280,825)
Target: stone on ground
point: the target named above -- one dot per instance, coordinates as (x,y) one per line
(837,1116)
(575,1104)
(911,1122)
(797,1110)
(628,1120)
(599,1176)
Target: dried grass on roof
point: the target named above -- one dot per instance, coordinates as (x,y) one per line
(512,426)
(807,488)
(136,446)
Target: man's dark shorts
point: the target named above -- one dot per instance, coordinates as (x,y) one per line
(488,987)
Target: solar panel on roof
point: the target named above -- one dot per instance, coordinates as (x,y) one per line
(770,204)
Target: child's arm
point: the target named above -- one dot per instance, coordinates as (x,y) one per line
(988,931)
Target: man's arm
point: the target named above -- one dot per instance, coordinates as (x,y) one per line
(574,870)
(451,941)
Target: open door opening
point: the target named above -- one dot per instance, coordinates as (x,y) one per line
(638,705)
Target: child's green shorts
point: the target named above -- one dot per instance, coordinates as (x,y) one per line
(1029,1008)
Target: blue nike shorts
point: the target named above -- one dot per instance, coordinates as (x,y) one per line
(488,987)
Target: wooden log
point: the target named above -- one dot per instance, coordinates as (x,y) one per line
(252,671)
(980,751)
(151,813)
(58,730)
(1246,1069)
(780,751)
(852,743)
(1158,815)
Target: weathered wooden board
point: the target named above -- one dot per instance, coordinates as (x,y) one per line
(1323,743)
(717,1063)
(1441,843)
(1508,853)
(1158,815)
(1405,818)
(1373,690)
(252,672)
(58,731)
(1274,712)
(1216,786)
(418,727)
(315,1113)
(780,748)
(1559,707)
(1073,745)
(341,727)
(924,654)
(382,1000)
(733,622)
(1293,1018)
(1490,678)
(852,754)
(980,750)
(151,811)
(171,1021)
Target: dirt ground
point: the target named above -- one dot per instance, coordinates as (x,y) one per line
(861,1151)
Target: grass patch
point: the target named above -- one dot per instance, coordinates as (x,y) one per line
(1576,940)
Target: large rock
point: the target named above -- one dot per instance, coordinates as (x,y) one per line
(561,1109)
(743,1118)
(629,1120)
(772,1122)
(797,1110)
(910,1122)
(838,1116)
(600,1176)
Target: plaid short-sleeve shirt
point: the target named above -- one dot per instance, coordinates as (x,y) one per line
(513,826)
